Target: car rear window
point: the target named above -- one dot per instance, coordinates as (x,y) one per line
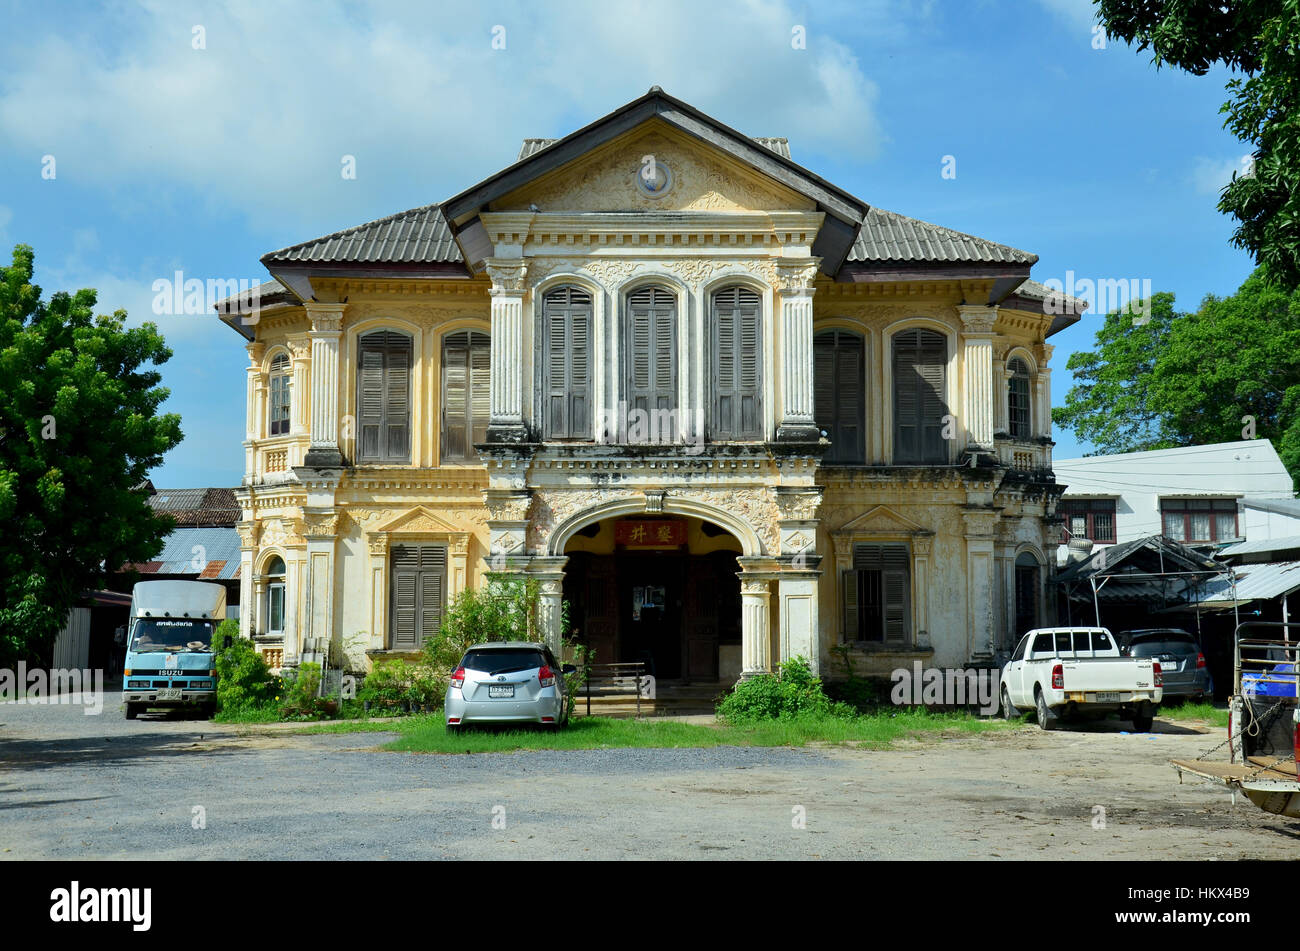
(502,661)
(1172,645)
(1101,641)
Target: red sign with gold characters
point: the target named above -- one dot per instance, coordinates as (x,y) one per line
(650,533)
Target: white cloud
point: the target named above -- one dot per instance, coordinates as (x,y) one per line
(1210,176)
(259,120)
(1079,14)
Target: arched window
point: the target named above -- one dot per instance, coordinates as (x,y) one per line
(384,397)
(1018,418)
(277,423)
(920,397)
(652,357)
(566,363)
(275,596)
(466,394)
(737,364)
(840,395)
(1027,587)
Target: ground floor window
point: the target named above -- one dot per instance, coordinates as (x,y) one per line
(1027,584)
(876,595)
(418,576)
(275,596)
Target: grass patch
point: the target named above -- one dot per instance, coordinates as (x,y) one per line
(263,714)
(1214,715)
(875,731)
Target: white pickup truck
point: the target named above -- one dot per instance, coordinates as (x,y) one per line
(1069,672)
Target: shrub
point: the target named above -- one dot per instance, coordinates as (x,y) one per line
(395,683)
(244,682)
(299,695)
(794,691)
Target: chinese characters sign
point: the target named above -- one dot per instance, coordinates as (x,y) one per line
(650,533)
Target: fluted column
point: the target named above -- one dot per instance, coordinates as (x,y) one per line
(256,351)
(326,329)
(755,635)
(798,422)
(300,391)
(506,392)
(977,366)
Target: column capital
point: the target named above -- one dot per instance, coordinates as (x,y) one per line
(977,318)
(256,351)
(795,278)
(508,276)
(326,317)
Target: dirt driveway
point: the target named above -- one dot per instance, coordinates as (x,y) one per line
(74,786)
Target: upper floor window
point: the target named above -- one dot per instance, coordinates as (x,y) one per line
(877,595)
(278,409)
(737,362)
(566,363)
(1018,399)
(1199,520)
(651,352)
(920,367)
(840,395)
(1093,519)
(275,596)
(384,397)
(466,388)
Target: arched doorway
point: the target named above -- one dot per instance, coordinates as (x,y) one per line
(661,589)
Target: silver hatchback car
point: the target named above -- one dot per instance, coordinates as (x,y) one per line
(507,682)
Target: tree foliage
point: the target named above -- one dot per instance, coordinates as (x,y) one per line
(1228,371)
(79,430)
(1260,39)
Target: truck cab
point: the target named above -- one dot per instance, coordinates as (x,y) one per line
(170,657)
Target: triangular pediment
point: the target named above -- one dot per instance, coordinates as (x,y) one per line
(654,168)
(418,521)
(882,520)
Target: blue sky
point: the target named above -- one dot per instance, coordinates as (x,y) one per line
(169,157)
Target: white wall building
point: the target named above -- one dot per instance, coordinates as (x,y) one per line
(1197,495)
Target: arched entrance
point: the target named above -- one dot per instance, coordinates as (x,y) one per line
(662,589)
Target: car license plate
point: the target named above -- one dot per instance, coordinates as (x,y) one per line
(1110,697)
(496,691)
(173,693)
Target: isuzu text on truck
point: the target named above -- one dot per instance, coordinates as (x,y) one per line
(1077,672)
(169,651)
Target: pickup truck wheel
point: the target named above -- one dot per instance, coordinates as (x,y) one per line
(1142,724)
(1008,711)
(1045,720)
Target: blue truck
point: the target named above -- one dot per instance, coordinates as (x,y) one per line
(170,658)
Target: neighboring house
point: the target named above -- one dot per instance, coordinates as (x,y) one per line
(609,368)
(1196,495)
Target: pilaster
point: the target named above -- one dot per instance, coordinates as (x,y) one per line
(506,406)
(326,330)
(795,285)
(977,374)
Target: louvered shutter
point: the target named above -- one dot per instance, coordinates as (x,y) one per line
(480,389)
(852,620)
(567,387)
(885,572)
(920,401)
(840,396)
(466,386)
(384,397)
(736,364)
(419,578)
(652,344)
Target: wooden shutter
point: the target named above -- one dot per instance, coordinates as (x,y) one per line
(480,388)
(419,577)
(852,620)
(886,572)
(652,350)
(466,387)
(384,397)
(737,356)
(840,395)
(566,314)
(920,397)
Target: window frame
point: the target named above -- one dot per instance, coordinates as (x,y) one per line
(549,392)
(1020,378)
(1184,507)
(273,588)
(630,393)
(874,558)
(736,431)
(471,345)
(929,450)
(841,344)
(395,343)
(1092,508)
(279,379)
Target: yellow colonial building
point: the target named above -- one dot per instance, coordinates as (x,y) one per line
(728,411)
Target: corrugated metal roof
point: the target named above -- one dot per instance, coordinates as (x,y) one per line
(888,236)
(1253,583)
(195,507)
(417,236)
(216,551)
(1278,506)
(1263,544)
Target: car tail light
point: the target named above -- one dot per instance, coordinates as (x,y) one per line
(548,719)
(453,719)
(1155,670)
(1058,677)
(458,678)
(1200,661)
(546,676)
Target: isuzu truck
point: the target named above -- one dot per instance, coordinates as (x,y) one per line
(170,657)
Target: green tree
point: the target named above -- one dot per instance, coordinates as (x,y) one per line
(1110,404)
(79,430)
(1260,40)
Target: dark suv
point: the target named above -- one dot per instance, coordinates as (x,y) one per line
(1182,664)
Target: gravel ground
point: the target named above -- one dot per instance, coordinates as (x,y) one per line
(78,787)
